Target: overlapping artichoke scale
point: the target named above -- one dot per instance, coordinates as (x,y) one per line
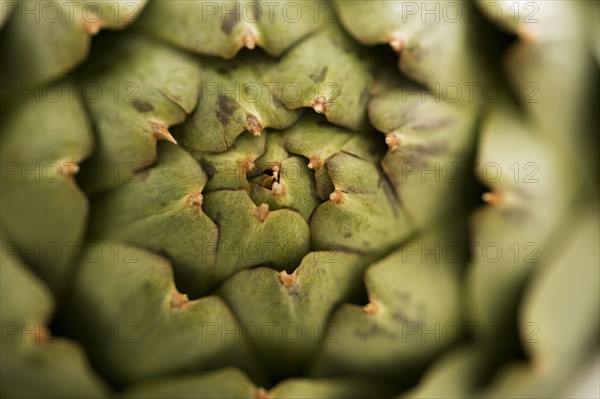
(38,180)
(136,90)
(530,194)
(232,25)
(414,311)
(42,41)
(33,362)
(128,296)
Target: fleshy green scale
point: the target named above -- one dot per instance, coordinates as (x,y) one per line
(456,374)
(430,143)
(529,197)
(231,383)
(326,72)
(550,310)
(413,314)
(220,384)
(33,362)
(161,208)
(436,48)
(232,25)
(135,90)
(251,235)
(127,294)
(234,99)
(42,40)
(42,208)
(285,316)
(550,37)
(362,214)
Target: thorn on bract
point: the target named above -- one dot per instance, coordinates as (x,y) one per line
(262,211)
(320,105)
(195,200)
(398,41)
(247,165)
(253,125)
(261,393)
(42,335)
(371,308)
(161,132)
(393,141)
(249,39)
(277,189)
(275,168)
(92,27)
(493,198)
(336,197)
(68,169)
(315,163)
(287,280)
(178,299)
(526,34)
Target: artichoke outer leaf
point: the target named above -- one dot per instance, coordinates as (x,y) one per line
(547,314)
(362,214)
(143,88)
(220,384)
(42,41)
(155,313)
(526,203)
(234,99)
(231,25)
(295,306)
(166,198)
(457,374)
(40,179)
(251,235)
(325,72)
(33,362)
(413,314)
(424,40)
(430,143)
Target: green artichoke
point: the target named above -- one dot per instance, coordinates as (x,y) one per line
(296,199)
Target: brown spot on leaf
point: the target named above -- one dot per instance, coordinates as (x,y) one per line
(320,76)
(400,316)
(142,175)
(231,19)
(226,108)
(432,123)
(210,169)
(142,106)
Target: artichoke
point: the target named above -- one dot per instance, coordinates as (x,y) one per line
(328,199)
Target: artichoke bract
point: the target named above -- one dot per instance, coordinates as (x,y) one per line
(294,199)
